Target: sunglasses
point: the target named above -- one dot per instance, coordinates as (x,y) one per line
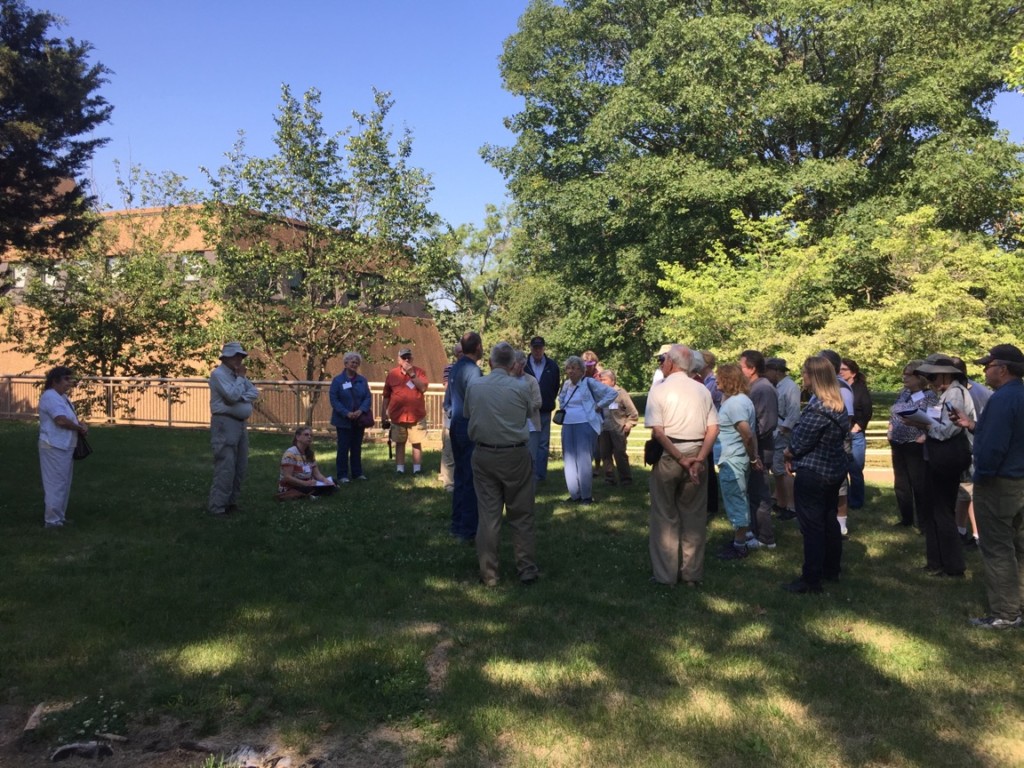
(661,359)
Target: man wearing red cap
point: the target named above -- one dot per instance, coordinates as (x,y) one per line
(406,408)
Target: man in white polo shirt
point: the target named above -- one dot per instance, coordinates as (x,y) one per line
(683,420)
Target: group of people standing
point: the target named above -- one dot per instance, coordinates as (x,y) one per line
(958,465)
(744,418)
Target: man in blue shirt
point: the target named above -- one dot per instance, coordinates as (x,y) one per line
(463,373)
(999,486)
(549,378)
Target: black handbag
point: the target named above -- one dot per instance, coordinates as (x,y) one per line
(951,456)
(82,448)
(653,451)
(559,417)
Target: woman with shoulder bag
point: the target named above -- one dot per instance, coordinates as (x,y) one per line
(580,400)
(947,456)
(352,413)
(59,432)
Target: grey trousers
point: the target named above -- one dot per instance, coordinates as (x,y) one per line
(230,442)
(999,512)
(504,480)
(679,517)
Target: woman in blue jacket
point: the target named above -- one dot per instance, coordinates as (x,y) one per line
(352,413)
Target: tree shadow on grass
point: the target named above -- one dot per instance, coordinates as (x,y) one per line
(327,611)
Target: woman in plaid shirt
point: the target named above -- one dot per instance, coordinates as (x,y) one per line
(817,455)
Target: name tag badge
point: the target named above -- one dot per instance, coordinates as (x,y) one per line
(410,385)
(935,412)
(347,385)
(917,397)
(613,407)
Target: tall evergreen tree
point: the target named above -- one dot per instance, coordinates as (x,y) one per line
(48,107)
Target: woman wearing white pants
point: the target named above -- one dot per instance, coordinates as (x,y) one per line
(59,429)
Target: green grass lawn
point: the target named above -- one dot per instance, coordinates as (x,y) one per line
(337,616)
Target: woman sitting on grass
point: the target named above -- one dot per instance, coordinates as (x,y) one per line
(300,476)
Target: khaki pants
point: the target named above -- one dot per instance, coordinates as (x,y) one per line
(447,461)
(999,512)
(230,442)
(503,479)
(612,445)
(678,519)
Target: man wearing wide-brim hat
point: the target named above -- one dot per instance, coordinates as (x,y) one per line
(231,399)
(999,486)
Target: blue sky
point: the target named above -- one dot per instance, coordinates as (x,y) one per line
(188,75)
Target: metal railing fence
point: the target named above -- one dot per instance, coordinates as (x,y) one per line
(283,405)
(166,402)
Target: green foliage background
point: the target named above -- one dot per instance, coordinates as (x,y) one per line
(784,175)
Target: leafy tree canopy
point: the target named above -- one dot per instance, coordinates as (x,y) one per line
(953,292)
(48,105)
(125,302)
(319,245)
(651,130)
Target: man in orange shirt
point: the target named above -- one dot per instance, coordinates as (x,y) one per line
(406,409)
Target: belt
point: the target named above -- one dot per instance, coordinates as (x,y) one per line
(687,439)
(500,447)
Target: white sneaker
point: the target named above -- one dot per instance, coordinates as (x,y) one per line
(343,480)
(991,622)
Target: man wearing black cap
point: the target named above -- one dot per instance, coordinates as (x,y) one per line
(546,371)
(999,486)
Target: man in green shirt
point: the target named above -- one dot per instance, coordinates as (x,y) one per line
(498,406)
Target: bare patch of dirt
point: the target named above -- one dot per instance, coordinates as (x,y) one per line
(171,744)
(437,667)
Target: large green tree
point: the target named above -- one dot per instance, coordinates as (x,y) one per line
(49,106)
(470,274)
(648,123)
(318,245)
(782,291)
(127,301)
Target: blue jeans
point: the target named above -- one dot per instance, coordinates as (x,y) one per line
(464,506)
(732,481)
(540,446)
(817,504)
(350,450)
(578,451)
(855,495)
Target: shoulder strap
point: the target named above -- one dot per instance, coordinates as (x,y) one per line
(834,420)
